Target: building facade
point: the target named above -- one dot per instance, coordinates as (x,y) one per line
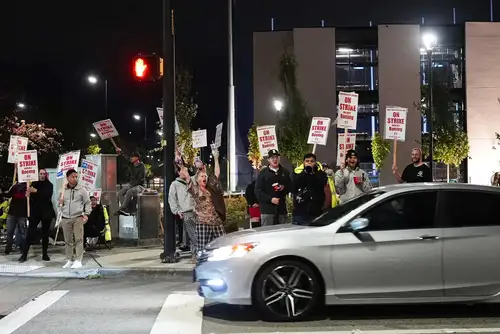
(387,66)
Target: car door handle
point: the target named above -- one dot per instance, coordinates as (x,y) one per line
(428,237)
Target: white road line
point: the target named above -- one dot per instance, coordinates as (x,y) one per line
(181,314)
(22,315)
(407,331)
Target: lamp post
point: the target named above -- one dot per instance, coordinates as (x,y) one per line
(278,105)
(138,118)
(429,40)
(93,80)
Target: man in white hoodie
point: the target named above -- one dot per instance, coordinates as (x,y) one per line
(350,180)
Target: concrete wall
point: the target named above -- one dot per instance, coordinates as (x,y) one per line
(314,50)
(399,85)
(482,52)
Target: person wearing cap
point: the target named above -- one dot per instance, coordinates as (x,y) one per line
(271,188)
(350,180)
(136,183)
(417,171)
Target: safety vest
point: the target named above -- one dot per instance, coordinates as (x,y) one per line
(107,228)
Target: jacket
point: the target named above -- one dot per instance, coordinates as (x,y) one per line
(18,204)
(264,189)
(137,173)
(179,199)
(309,192)
(346,188)
(42,200)
(76,202)
(250,194)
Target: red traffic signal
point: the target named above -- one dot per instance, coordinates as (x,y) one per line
(147,67)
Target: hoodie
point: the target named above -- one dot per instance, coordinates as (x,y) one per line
(76,202)
(18,204)
(310,192)
(179,199)
(344,183)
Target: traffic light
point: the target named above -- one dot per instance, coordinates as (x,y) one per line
(147,67)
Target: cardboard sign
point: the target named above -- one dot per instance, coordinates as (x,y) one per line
(16,144)
(96,193)
(267,139)
(88,174)
(349,142)
(348,110)
(218,135)
(105,129)
(318,133)
(199,138)
(27,166)
(66,162)
(395,123)
(160,115)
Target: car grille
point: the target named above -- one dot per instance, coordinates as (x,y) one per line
(203,256)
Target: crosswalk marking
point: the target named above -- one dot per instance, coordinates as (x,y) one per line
(181,314)
(21,316)
(397,331)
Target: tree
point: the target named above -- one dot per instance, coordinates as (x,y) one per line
(294,121)
(93,149)
(254,155)
(452,147)
(380,149)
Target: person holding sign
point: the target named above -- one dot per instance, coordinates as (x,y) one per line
(350,180)
(417,171)
(136,183)
(17,217)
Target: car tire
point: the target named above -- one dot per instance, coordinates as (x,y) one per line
(294,298)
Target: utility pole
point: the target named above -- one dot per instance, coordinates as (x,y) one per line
(231,138)
(169,246)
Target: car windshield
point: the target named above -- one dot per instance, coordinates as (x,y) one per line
(337,212)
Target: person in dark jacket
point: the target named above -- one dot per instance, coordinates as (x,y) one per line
(253,205)
(17,217)
(96,223)
(136,184)
(271,188)
(42,211)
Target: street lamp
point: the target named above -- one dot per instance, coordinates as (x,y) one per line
(21,105)
(93,135)
(93,80)
(278,105)
(137,117)
(429,41)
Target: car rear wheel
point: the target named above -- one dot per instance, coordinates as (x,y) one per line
(287,290)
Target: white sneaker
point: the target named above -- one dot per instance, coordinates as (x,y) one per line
(68,265)
(76,265)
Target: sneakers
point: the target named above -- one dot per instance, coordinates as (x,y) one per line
(76,265)
(68,265)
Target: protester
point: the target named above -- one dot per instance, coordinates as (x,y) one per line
(75,208)
(310,190)
(331,184)
(252,205)
(17,217)
(136,183)
(97,224)
(271,188)
(42,211)
(417,171)
(351,180)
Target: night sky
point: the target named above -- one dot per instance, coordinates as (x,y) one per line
(48,48)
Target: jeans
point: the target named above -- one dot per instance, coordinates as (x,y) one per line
(126,194)
(13,223)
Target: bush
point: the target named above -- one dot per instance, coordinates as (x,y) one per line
(236,210)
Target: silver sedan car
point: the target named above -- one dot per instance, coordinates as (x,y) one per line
(409,243)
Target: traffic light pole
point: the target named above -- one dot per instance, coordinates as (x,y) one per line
(169,245)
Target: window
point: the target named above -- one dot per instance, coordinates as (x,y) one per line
(356,69)
(403,212)
(471,208)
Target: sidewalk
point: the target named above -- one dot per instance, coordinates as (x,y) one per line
(103,263)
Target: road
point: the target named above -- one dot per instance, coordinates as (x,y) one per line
(137,306)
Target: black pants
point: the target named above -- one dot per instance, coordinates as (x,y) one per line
(33,236)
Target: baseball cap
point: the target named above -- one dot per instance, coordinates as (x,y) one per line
(273,152)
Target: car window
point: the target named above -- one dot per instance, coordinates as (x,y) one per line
(403,212)
(471,208)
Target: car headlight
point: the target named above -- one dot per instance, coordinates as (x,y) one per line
(228,252)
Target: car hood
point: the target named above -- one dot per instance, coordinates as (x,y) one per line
(254,234)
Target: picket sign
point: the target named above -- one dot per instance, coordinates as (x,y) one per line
(218,135)
(395,127)
(199,138)
(16,144)
(266,135)
(348,113)
(88,174)
(106,130)
(27,171)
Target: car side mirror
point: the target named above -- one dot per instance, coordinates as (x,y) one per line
(358,224)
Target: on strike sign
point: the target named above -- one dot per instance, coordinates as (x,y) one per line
(27,166)
(344,144)
(267,139)
(318,134)
(348,110)
(66,162)
(88,174)
(97,194)
(105,129)
(395,123)
(16,144)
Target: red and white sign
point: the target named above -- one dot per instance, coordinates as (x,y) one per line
(348,110)
(105,129)
(16,144)
(344,144)
(97,194)
(66,162)
(88,174)
(318,134)
(267,139)
(395,123)
(27,166)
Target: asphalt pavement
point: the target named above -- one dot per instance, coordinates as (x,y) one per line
(171,306)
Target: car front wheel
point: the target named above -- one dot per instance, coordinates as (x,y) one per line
(287,290)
